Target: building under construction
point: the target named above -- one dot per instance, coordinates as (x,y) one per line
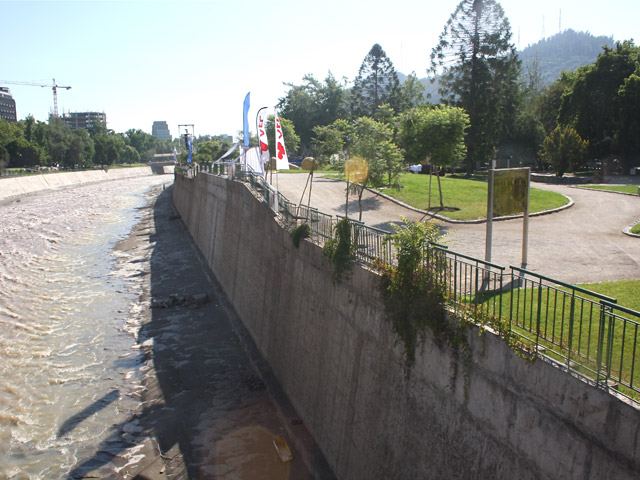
(84,120)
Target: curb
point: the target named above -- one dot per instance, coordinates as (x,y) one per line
(627,230)
(606,191)
(476,221)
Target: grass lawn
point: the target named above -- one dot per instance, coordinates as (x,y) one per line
(578,335)
(614,188)
(464,199)
(627,292)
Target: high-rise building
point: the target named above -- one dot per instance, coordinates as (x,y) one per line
(7,106)
(83,119)
(160,129)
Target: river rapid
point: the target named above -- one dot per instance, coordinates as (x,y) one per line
(69,376)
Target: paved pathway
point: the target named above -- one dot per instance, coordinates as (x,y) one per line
(581,244)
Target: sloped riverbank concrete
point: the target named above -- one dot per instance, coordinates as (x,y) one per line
(12,187)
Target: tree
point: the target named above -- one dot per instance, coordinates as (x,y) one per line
(564,148)
(313,104)
(376,84)
(23,153)
(411,93)
(370,152)
(435,134)
(59,139)
(108,148)
(374,142)
(599,102)
(97,127)
(129,155)
(590,105)
(4,159)
(547,104)
(628,133)
(479,71)
(81,149)
(208,151)
(332,142)
(9,131)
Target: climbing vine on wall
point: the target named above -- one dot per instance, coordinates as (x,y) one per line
(340,250)
(414,298)
(299,233)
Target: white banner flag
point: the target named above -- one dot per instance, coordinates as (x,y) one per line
(262,135)
(282,161)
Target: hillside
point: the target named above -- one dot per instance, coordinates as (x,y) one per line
(567,50)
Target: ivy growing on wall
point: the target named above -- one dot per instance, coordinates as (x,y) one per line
(299,233)
(414,299)
(340,250)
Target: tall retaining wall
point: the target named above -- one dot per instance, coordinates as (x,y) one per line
(335,357)
(11,187)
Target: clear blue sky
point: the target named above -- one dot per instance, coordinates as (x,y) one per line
(192,62)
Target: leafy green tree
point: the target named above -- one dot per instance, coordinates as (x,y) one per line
(312,104)
(374,142)
(479,71)
(385,114)
(9,131)
(4,159)
(411,93)
(547,103)
(628,99)
(97,127)
(145,144)
(129,155)
(591,104)
(528,132)
(29,127)
(376,84)
(208,151)
(332,142)
(108,148)
(563,149)
(58,141)
(23,153)
(369,142)
(436,134)
(81,149)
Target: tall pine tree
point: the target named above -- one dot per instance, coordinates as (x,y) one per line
(479,70)
(376,84)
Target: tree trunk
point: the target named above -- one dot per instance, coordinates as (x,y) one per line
(440,189)
(430,178)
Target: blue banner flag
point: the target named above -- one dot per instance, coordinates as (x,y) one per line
(190,149)
(246,120)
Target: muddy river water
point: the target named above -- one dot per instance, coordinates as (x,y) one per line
(69,358)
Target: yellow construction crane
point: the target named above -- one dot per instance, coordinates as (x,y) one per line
(53,87)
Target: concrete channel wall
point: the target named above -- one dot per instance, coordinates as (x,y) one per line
(335,357)
(11,187)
